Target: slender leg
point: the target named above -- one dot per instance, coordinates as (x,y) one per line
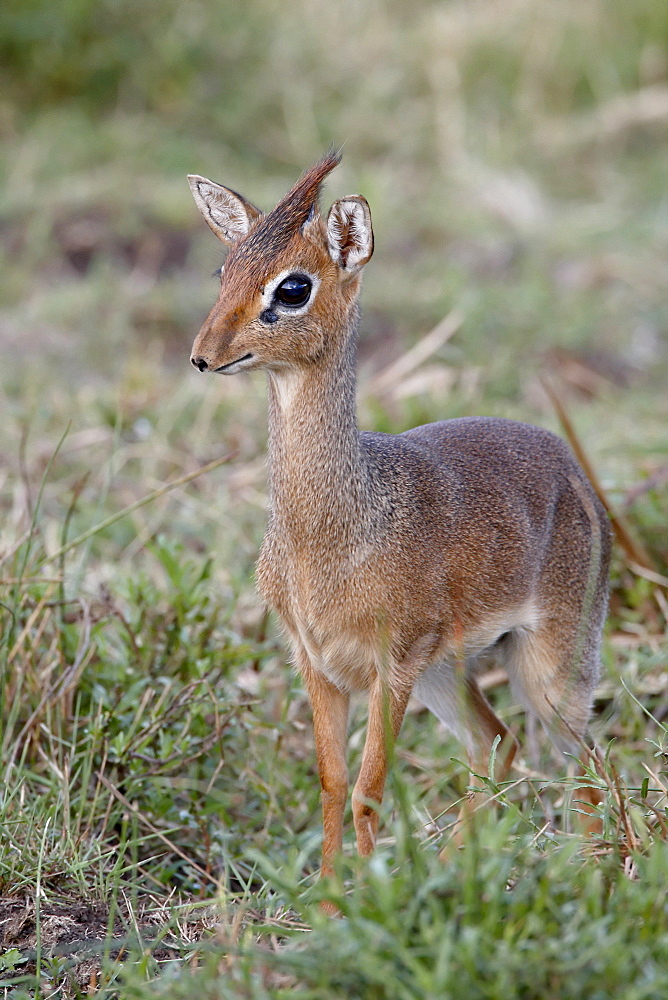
(484,726)
(485,723)
(561,701)
(387,708)
(454,696)
(587,800)
(330,722)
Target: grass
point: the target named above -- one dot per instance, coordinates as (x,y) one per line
(159,814)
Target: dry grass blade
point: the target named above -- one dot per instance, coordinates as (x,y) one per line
(648,106)
(649,574)
(634,550)
(149,498)
(611,779)
(60,689)
(134,809)
(35,615)
(653,482)
(659,817)
(385,380)
(620,796)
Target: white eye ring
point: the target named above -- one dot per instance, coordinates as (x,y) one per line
(268,301)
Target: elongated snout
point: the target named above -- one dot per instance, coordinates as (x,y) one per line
(211,347)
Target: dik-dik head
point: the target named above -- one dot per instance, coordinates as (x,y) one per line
(290,280)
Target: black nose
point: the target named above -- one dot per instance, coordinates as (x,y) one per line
(200,363)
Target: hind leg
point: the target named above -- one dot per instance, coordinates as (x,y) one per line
(556,682)
(485,726)
(456,699)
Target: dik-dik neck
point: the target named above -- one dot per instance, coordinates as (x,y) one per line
(318,476)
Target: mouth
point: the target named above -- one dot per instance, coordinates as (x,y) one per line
(228,368)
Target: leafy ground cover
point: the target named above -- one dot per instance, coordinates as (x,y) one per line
(159,814)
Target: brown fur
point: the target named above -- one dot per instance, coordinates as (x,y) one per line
(398,562)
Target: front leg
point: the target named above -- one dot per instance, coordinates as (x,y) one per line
(387,707)
(330,724)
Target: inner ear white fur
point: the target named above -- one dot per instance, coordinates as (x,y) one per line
(349,233)
(226,213)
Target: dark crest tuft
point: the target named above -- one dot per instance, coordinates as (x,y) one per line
(294,209)
(270,237)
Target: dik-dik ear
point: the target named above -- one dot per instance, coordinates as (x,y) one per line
(349,233)
(228,214)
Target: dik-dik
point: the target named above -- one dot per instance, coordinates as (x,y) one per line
(397,563)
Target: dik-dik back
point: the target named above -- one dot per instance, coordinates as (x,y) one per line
(398,564)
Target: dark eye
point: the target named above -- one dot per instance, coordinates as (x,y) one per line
(295,290)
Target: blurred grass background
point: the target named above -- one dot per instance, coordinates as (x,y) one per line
(514,157)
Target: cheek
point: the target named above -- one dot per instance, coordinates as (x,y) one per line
(306,339)
(302,340)
(331,307)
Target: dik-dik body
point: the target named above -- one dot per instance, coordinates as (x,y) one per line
(397,562)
